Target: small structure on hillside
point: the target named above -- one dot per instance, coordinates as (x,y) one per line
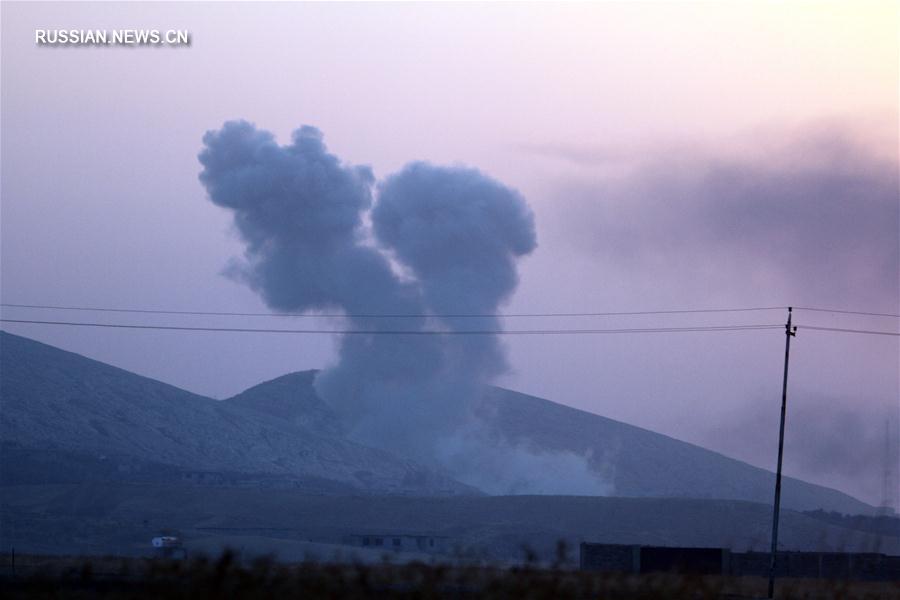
(168,546)
(401,542)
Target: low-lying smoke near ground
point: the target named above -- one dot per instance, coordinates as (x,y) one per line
(443,242)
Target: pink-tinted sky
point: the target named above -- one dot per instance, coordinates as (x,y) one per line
(675,154)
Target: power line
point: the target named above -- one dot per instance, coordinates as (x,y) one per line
(460,315)
(405,332)
(847,312)
(838,329)
(392,316)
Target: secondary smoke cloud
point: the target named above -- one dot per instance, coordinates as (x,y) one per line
(813,215)
(804,215)
(444,243)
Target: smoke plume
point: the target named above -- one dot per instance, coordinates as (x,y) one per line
(811,213)
(443,247)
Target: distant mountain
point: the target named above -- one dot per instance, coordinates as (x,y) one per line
(643,463)
(640,463)
(65,417)
(291,398)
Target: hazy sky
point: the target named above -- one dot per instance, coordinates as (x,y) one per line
(676,155)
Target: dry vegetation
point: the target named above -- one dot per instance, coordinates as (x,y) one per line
(110,577)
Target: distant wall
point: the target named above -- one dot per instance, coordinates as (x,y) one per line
(610,557)
(400,542)
(825,565)
(716,561)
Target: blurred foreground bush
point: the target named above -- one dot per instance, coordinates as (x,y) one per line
(225,577)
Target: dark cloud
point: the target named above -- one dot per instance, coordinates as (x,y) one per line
(460,233)
(815,218)
(300,213)
(808,217)
(298,210)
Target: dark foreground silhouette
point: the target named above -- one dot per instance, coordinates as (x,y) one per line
(225,577)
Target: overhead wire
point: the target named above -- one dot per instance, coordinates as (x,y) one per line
(843,330)
(847,312)
(388,315)
(706,328)
(452,315)
(543,331)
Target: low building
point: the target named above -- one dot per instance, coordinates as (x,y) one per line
(401,542)
(654,559)
(168,546)
(722,561)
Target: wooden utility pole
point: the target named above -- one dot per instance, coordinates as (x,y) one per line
(789,332)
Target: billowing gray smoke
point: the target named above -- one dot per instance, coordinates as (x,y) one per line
(445,244)
(460,234)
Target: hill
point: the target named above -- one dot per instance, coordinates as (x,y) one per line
(639,462)
(644,463)
(68,417)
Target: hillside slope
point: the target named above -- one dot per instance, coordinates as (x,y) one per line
(291,398)
(60,408)
(644,463)
(639,462)
(64,415)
